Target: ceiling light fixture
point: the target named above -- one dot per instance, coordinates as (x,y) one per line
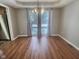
(38,9)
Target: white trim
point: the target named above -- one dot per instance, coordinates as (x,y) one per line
(19,36)
(54,35)
(10,22)
(3,5)
(14,38)
(27,35)
(69,42)
(22,35)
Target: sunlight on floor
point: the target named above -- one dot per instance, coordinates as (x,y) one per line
(39,45)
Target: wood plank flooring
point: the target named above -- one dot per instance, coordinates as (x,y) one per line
(38,48)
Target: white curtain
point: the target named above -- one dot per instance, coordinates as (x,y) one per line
(50,22)
(28,24)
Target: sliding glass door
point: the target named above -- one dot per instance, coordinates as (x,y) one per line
(38,21)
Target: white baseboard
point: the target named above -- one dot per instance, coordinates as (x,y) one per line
(22,35)
(27,35)
(54,35)
(19,36)
(69,42)
(14,38)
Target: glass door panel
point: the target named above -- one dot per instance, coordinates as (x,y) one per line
(34,22)
(44,22)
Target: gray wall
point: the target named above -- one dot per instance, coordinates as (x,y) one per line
(56,18)
(69,23)
(13,22)
(22,21)
(54,21)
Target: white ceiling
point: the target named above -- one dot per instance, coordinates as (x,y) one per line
(37,0)
(33,3)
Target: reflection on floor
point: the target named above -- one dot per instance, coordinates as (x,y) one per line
(38,48)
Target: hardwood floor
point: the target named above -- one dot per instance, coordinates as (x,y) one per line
(35,48)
